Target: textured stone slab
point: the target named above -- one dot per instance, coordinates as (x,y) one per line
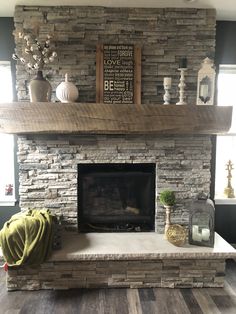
(135,246)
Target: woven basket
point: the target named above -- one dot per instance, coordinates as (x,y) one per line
(176,235)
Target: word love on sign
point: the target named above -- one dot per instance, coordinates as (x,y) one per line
(118,74)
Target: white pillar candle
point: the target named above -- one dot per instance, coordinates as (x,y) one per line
(195,229)
(167,81)
(204,91)
(197,237)
(195,233)
(205,234)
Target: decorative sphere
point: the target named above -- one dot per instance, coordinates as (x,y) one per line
(67,91)
(176,235)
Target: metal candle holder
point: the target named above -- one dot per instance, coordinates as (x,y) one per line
(181,87)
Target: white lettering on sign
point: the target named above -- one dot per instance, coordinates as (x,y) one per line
(108,85)
(125,53)
(112,62)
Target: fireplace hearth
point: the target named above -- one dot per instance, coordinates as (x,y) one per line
(117,197)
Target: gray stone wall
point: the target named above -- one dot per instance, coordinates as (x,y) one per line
(48,165)
(164,35)
(48,168)
(166,273)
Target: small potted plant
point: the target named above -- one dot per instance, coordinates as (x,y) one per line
(167,199)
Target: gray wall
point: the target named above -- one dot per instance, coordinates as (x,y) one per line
(6,38)
(225,54)
(225,42)
(7,46)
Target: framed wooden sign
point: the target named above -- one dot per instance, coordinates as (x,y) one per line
(118,74)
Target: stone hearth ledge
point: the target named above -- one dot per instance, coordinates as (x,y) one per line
(126,246)
(128,260)
(134,246)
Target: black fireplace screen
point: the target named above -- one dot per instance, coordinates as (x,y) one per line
(116,197)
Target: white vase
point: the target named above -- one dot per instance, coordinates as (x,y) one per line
(67,91)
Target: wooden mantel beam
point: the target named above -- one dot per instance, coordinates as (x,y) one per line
(96,118)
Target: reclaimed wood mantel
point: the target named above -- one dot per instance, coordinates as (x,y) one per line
(98,118)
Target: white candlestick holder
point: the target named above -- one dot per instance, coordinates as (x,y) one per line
(166,96)
(181,87)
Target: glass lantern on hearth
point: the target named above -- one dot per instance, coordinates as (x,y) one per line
(202,222)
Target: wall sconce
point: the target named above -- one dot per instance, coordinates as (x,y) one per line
(206,83)
(202,222)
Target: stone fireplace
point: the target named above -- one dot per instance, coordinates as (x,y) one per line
(57,170)
(53,167)
(67,152)
(49,176)
(48,172)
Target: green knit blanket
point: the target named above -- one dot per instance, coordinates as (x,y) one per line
(26,239)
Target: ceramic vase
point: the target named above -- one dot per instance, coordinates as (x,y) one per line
(40,89)
(67,91)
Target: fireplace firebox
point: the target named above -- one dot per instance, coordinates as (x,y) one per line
(118,197)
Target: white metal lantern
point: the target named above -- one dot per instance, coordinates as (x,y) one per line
(206,83)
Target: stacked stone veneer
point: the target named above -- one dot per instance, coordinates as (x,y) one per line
(164,35)
(166,273)
(48,165)
(48,168)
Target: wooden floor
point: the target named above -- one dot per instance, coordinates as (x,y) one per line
(123,301)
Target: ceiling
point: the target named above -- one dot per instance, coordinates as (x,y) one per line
(226,9)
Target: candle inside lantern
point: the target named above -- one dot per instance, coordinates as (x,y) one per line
(195,229)
(167,81)
(204,91)
(196,235)
(205,234)
(183,63)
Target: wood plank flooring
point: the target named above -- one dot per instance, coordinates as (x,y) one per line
(123,301)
